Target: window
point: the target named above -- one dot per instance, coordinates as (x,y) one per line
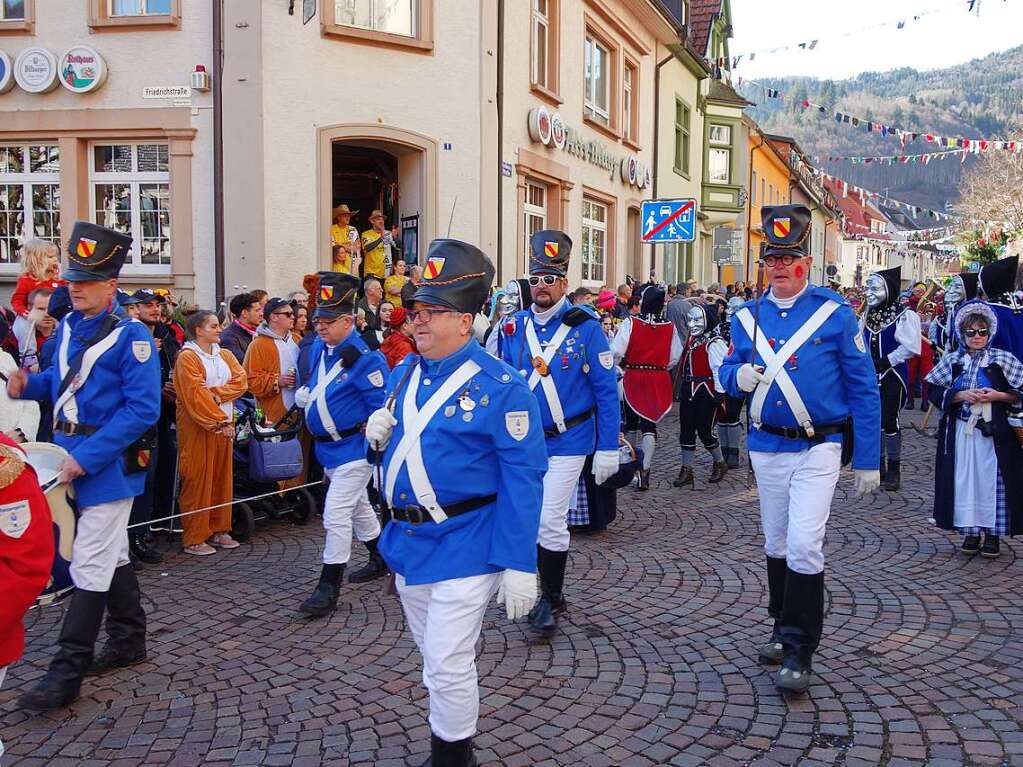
(29,197)
(719,158)
(541,41)
(535,212)
(130,192)
(140,7)
(12,10)
(597,81)
(396,17)
(683,117)
(630,102)
(594,248)
(720,134)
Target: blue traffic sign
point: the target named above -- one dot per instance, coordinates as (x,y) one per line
(669,220)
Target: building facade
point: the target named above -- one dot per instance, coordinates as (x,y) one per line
(768,184)
(95,126)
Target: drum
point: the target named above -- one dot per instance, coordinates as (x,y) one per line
(46,458)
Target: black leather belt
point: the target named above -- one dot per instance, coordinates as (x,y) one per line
(798,432)
(75,429)
(342,434)
(645,367)
(417,515)
(573,421)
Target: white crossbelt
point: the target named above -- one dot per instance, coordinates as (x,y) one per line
(67,399)
(409,451)
(318,396)
(550,390)
(774,362)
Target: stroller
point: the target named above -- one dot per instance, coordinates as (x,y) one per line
(257,453)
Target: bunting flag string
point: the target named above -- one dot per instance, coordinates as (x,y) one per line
(845,187)
(895,159)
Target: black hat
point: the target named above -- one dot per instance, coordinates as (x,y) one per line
(457,275)
(651,300)
(273,304)
(95,253)
(787,229)
(336,295)
(893,283)
(969,280)
(549,252)
(999,277)
(145,295)
(710,314)
(128,299)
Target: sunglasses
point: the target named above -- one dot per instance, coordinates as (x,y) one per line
(971,332)
(286,313)
(545,279)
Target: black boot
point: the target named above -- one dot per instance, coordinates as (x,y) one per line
(324,599)
(910,405)
(773,651)
(644,479)
(126,625)
(991,548)
(685,477)
(142,548)
(77,641)
(718,472)
(373,569)
(802,620)
(445,753)
(893,477)
(551,565)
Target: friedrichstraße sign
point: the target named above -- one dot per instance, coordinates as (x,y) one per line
(167,92)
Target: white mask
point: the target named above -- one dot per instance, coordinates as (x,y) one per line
(734,303)
(508,302)
(876,290)
(697,321)
(955,292)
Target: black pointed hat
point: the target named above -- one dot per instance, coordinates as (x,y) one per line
(95,253)
(457,275)
(787,229)
(336,294)
(549,252)
(999,277)
(893,283)
(969,280)
(651,300)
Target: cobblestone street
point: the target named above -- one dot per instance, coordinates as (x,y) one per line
(921,662)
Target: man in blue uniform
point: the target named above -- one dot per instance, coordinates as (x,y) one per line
(564,356)
(463,481)
(808,378)
(346,385)
(105,389)
(891,330)
(998,282)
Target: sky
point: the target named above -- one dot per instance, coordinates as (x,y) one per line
(944,36)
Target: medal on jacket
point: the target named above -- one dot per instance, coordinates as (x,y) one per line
(466,403)
(564,362)
(540,366)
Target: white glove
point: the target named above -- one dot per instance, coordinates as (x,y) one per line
(605,465)
(748,377)
(378,428)
(302,396)
(866,481)
(518,592)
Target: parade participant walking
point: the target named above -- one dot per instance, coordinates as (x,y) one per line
(463,481)
(891,331)
(648,348)
(347,384)
(809,377)
(701,394)
(961,288)
(209,380)
(271,362)
(513,298)
(998,284)
(105,386)
(978,478)
(729,428)
(564,356)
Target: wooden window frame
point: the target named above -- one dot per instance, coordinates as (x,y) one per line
(100,19)
(614,52)
(686,131)
(422,42)
(630,132)
(22,26)
(534,168)
(611,241)
(526,211)
(551,91)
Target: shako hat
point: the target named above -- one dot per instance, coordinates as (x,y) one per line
(457,275)
(787,229)
(95,253)
(335,295)
(549,252)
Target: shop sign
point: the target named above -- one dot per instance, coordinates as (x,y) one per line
(550,130)
(6,73)
(82,70)
(35,69)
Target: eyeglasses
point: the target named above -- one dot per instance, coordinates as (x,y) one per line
(771,261)
(971,332)
(319,322)
(546,279)
(422,316)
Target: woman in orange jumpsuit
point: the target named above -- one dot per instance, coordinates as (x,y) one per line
(207,380)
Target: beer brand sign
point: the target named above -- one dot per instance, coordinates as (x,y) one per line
(82,69)
(35,70)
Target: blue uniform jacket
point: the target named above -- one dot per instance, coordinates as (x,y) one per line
(1009,335)
(351,397)
(121,396)
(832,371)
(500,450)
(883,343)
(583,371)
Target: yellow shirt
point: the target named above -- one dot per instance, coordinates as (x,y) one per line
(373,260)
(339,236)
(392,288)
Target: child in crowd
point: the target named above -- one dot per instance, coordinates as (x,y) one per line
(40,268)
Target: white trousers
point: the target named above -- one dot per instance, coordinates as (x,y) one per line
(346,506)
(446,618)
(559,485)
(795,502)
(101,544)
